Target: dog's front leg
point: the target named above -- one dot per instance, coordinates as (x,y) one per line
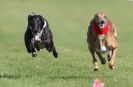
(96,67)
(34,54)
(101,43)
(102,59)
(112,59)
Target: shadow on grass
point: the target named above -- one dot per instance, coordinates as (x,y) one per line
(8,76)
(69,77)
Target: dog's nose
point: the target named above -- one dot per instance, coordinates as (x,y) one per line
(102,22)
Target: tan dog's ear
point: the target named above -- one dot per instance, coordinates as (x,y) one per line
(100,14)
(105,16)
(96,15)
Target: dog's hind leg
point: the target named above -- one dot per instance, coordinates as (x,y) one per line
(96,67)
(102,59)
(55,53)
(49,46)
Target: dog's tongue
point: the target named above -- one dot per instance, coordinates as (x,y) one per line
(102,27)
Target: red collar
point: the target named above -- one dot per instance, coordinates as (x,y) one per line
(96,29)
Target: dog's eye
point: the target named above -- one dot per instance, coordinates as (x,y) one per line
(31,23)
(30,27)
(97,19)
(104,16)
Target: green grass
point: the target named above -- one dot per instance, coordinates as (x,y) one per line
(68,21)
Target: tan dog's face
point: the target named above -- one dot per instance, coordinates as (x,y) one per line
(100,19)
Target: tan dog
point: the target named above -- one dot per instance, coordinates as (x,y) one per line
(101,38)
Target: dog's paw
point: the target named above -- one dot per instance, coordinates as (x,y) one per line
(111,66)
(55,54)
(34,54)
(96,68)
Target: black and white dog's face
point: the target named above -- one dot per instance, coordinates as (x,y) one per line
(36,23)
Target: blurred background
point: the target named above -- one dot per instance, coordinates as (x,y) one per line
(69,21)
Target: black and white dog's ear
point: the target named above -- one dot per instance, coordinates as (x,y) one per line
(29,17)
(42,17)
(44,23)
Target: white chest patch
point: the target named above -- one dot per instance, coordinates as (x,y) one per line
(102,46)
(38,36)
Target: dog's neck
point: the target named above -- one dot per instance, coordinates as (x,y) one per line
(38,35)
(45,24)
(97,30)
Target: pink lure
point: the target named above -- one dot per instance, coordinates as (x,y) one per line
(98,83)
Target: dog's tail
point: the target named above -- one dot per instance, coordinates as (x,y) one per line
(55,53)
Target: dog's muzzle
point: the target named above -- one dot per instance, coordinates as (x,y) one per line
(101,24)
(34,32)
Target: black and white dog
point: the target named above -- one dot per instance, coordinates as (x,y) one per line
(38,36)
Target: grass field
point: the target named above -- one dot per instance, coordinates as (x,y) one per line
(69,20)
